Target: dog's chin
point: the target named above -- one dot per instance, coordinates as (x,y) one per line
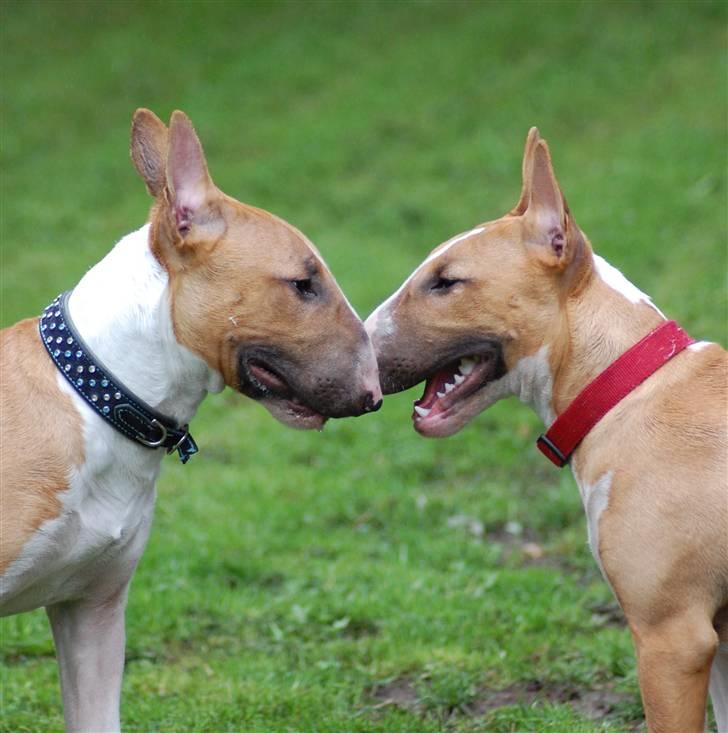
(262,382)
(455,394)
(294,414)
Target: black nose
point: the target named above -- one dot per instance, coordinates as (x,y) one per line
(369,404)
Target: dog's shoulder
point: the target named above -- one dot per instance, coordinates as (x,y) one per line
(701,386)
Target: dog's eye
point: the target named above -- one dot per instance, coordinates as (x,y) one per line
(304,287)
(442,284)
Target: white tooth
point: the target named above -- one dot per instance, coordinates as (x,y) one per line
(459,379)
(440,394)
(422,411)
(449,388)
(467,365)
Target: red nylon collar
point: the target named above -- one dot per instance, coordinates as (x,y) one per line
(610,387)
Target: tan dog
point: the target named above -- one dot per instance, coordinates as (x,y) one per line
(521,306)
(210,292)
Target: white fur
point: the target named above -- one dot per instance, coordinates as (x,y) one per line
(533,384)
(699,345)
(595,498)
(450,242)
(380,321)
(79,564)
(121,309)
(530,380)
(617,281)
(104,524)
(89,639)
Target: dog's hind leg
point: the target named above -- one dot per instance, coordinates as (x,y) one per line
(89,638)
(674,660)
(719,687)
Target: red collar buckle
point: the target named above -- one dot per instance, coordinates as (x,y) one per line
(551,451)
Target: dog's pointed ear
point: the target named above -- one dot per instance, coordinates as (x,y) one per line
(547,213)
(531,139)
(188,181)
(149,149)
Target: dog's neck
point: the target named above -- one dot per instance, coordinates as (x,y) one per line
(122,309)
(607,317)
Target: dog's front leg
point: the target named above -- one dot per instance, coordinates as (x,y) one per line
(674,660)
(89,638)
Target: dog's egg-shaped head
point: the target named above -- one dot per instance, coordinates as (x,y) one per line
(249,293)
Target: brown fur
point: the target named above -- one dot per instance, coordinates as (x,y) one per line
(230,267)
(243,290)
(663,538)
(34,413)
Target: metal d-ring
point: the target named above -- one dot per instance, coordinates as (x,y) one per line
(184,437)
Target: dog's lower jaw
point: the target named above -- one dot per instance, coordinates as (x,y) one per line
(294,414)
(529,379)
(457,416)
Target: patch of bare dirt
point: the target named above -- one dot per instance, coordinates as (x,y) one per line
(596,704)
(399,693)
(593,704)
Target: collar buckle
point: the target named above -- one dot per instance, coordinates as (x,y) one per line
(551,451)
(160,441)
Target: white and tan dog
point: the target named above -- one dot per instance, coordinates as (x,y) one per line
(521,306)
(209,293)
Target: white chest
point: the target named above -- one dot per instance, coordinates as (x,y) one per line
(102,529)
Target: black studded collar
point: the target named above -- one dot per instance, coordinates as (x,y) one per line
(103,392)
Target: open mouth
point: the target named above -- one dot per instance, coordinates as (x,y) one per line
(260,381)
(449,387)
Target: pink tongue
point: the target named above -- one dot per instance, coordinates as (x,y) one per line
(435,384)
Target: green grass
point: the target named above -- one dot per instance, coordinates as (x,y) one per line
(298,582)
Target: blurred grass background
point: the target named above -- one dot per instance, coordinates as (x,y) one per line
(365,579)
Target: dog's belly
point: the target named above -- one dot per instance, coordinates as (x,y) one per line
(89,550)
